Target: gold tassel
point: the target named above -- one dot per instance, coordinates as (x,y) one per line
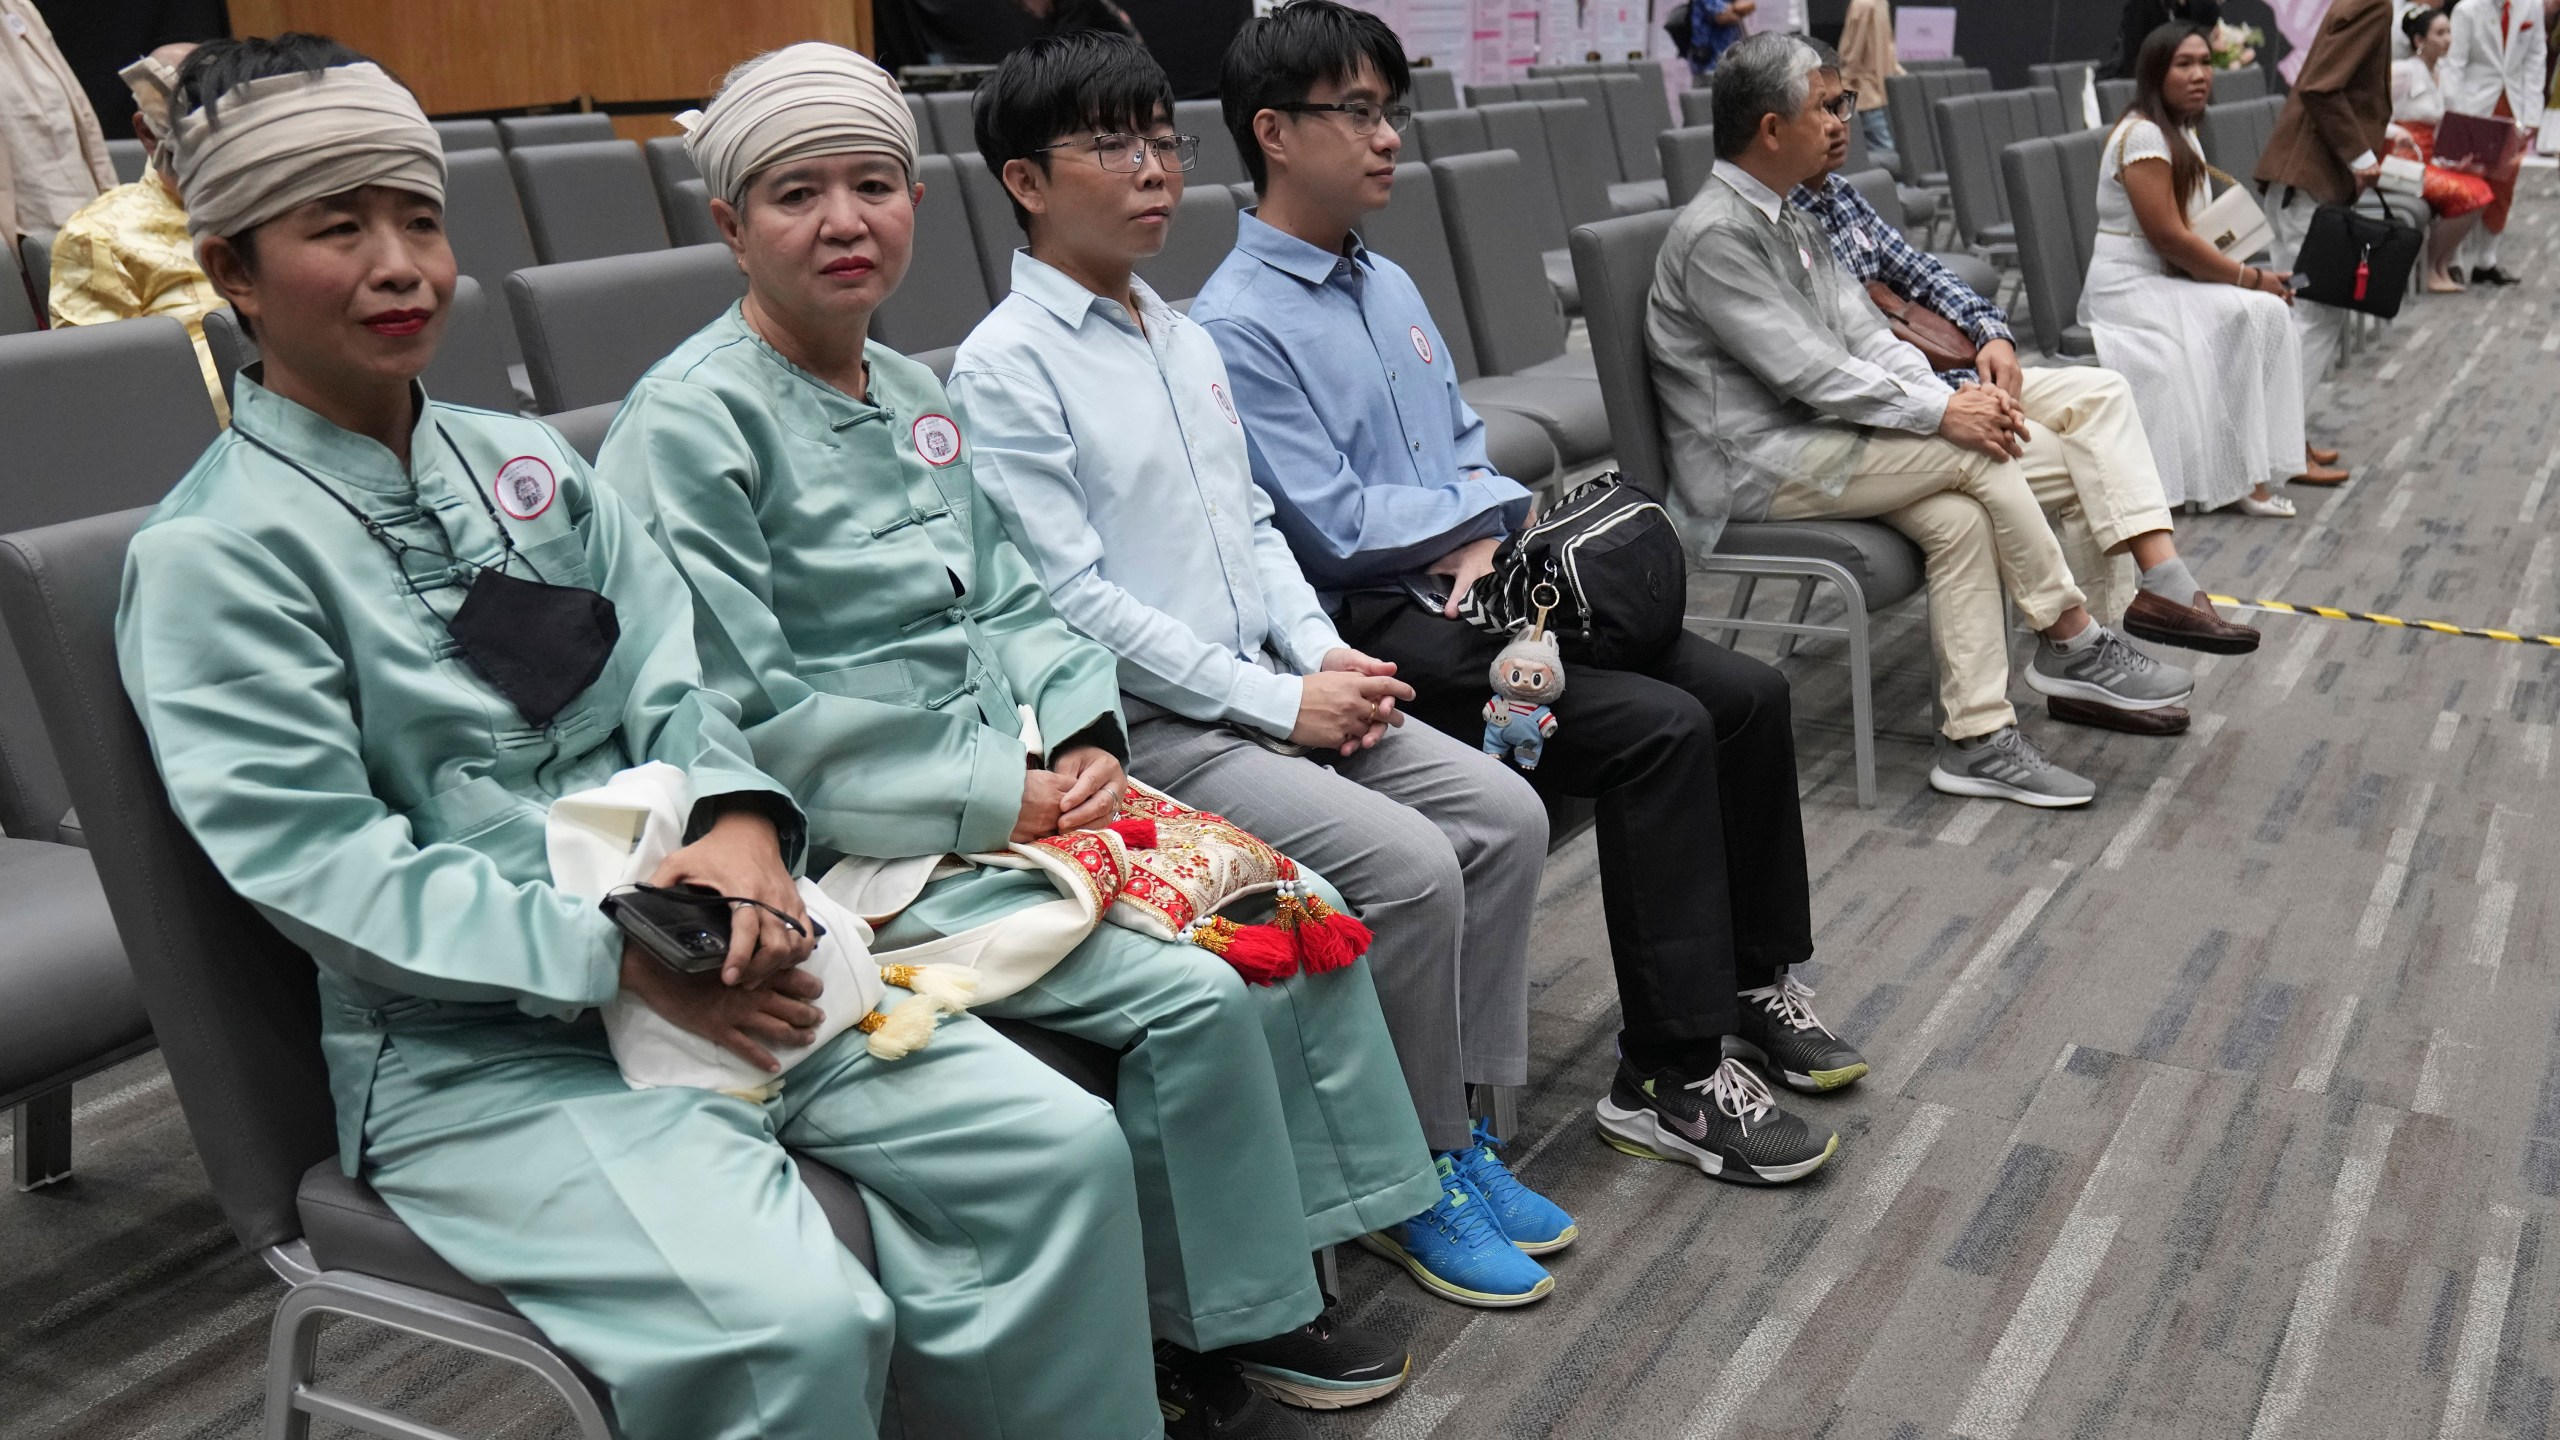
(952,987)
(902,1031)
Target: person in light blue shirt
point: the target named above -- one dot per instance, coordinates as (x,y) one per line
(1377,472)
(1106,434)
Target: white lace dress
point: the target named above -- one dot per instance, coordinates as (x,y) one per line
(2216,371)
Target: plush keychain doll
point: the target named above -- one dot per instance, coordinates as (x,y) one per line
(1528,675)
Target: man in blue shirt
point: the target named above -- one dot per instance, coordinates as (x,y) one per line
(1106,435)
(1377,471)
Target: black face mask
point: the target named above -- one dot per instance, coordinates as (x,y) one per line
(538,644)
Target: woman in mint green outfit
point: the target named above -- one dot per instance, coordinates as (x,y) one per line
(372,638)
(856,597)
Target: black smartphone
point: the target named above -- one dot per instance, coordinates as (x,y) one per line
(1431,592)
(686,928)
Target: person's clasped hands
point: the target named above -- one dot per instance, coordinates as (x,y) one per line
(1080,789)
(1983,418)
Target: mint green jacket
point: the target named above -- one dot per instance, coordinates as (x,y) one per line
(854,593)
(348,774)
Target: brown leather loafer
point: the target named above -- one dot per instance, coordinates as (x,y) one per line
(2167,720)
(2321,454)
(2189,627)
(2320,475)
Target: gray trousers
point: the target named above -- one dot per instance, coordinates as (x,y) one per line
(1438,847)
(2322,328)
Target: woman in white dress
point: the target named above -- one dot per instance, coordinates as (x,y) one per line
(2204,341)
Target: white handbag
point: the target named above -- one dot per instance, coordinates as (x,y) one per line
(2236,222)
(2403,176)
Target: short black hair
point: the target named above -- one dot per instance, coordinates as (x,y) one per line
(1280,58)
(1060,84)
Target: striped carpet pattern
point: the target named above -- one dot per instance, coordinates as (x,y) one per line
(2228,1106)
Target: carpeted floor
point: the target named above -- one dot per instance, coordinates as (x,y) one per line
(2227,1106)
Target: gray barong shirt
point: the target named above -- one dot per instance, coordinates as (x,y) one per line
(1770,362)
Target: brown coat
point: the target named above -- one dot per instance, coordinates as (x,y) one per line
(2339,106)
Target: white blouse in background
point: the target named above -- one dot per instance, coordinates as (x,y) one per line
(2414,93)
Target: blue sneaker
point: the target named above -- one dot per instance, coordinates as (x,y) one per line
(1535,1223)
(1455,1249)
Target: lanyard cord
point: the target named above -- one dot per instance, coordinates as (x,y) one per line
(392,544)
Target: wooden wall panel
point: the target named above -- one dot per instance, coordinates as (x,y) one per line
(493,54)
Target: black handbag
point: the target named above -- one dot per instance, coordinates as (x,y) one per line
(2356,261)
(1620,577)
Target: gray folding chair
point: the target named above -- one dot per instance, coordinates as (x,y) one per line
(991,224)
(1972,131)
(953,122)
(689,222)
(2247,83)
(99,418)
(1638,111)
(1911,100)
(1520,127)
(585,428)
(1409,231)
(35,256)
(1203,231)
(1492,92)
(2114,96)
(1439,134)
(591,328)
(1698,106)
(461,135)
(1951,62)
(1519,329)
(17,302)
(483,218)
(1580,152)
(128,157)
(2235,134)
(587,199)
(944,295)
(2049,261)
(1433,90)
(1870,564)
(669,166)
(1219,162)
(518,132)
(927,142)
(1688,158)
(2069,83)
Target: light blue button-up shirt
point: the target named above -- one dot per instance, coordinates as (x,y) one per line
(1351,405)
(1117,459)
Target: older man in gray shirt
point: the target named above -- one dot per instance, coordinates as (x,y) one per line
(1786,397)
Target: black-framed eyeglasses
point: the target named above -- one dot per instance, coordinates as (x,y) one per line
(1843,105)
(1364,114)
(1117,151)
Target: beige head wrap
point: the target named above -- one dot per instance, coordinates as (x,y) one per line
(269,145)
(802,100)
(152,82)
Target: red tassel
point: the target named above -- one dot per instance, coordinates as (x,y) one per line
(1331,943)
(2364,273)
(1135,831)
(1262,954)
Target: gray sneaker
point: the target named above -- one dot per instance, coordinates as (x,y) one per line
(2111,672)
(2006,765)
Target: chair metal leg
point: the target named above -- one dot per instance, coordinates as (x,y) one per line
(295,1397)
(1862,702)
(1795,616)
(40,1128)
(1749,569)
(1742,594)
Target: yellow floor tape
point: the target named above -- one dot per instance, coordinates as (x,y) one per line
(2282,607)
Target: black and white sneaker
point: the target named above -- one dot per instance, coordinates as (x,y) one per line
(1323,1365)
(1781,1032)
(1205,1398)
(1727,1124)
(2006,765)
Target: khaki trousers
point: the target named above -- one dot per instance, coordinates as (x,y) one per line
(1981,524)
(2106,490)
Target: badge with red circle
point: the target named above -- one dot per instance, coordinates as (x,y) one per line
(937,440)
(525,487)
(1421,344)
(1226,406)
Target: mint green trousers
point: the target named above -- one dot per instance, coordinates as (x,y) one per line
(1265,1122)
(662,1238)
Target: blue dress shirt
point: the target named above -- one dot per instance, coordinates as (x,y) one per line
(1117,459)
(1351,409)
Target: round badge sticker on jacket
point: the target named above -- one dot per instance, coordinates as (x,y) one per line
(525,487)
(1226,406)
(937,440)
(1421,343)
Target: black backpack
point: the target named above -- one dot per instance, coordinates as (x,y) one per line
(1620,574)
(1677,27)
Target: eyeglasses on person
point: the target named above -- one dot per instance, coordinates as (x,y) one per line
(1364,114)
(1842,106)
(1117,151)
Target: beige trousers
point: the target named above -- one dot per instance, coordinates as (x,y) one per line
(1982,524)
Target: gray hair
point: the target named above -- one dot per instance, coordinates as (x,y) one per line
(1767,74)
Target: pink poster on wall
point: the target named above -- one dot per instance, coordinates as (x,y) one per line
(1922,32)
(1489,51)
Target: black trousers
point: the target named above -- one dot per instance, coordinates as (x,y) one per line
(1692,764)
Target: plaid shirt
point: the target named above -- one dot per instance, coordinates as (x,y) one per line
(1869,249)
